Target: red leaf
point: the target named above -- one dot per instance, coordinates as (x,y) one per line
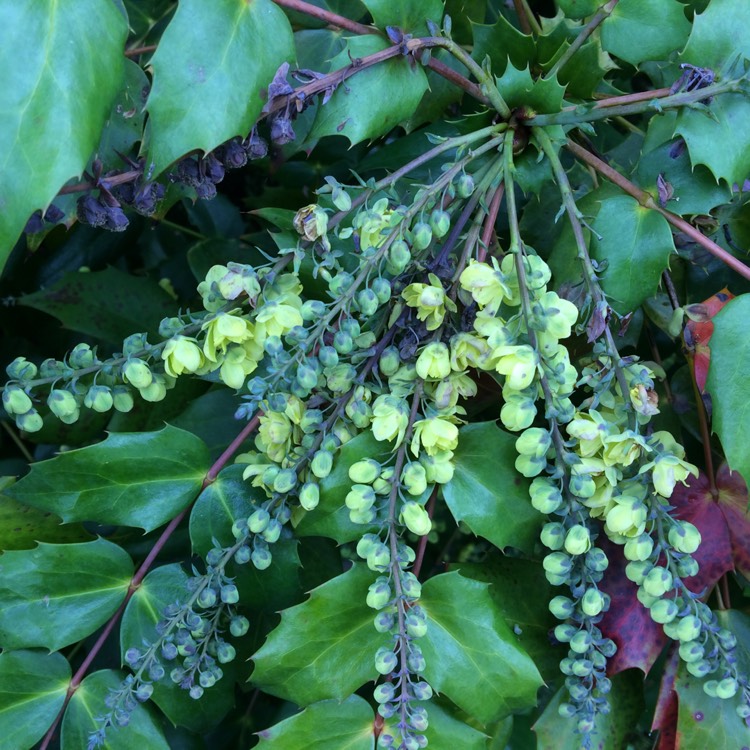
(733,502)
(694,502)
(628,623)
(698,332)
(665,714)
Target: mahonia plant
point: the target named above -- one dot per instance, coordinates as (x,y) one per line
(468,378)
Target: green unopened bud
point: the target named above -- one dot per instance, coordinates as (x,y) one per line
(410,586)
(307,377)
(658,581)
(30,421)
(565,632)
(440,222)
(592,602)
(421,235)
(399,256)
(577,540)
(258,521)
(340,378)
(416,626)
(365,471)
(534,442)
(21,369)
(415,518)
(238,626)
(581,642)
(582,485)
(309,496)
(637,571)
(639,547)
(414,479)
(16,400)
(379,558)
(727,688)
(81,357)
(663,611)
(382,289)
(684,537)
(553,535)
(137,373)
(557,563)
(123,398)
(530,466)
(379,594)
(285,481)
(360,497)
(99,398)
(689,628)
(596,560)
(385,660)
(687,566)
(261,558)
(154,392)
(368,302)
(465,185)
(700,668)
(341,199)
(545,495)
(63,405)
(561,607)
(691,651)
(321,464)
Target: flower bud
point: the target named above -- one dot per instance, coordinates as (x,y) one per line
(415,518)
(689,628)
(557,563)
(379,594)
(691,651)
(382,289)
(379,558)
(385,660)
(62,403)
(285,481)
(637,571)
(581,642)
(440,222)
(321,464)
(658,581)
(389,361)
(664,611)
(154,392)
(99,398)
(229,594)
(360,497)
(123,398)
(81,357)
(561,607)
(368,302)
(258,521)
(727,688)
(700,668)
(309,496)
(31,421)
(596,560)
(553,535)
(577,540)
(272,532)
(545,495)
(534,442)
(639,547)
(261,558)
(684,537)
(687,566)
(592,602)
(421,235)
(365,471)
(137,373)
(414,479)
(399,256)
(16,400)
(465,185)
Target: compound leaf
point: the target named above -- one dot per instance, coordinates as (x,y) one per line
(317,651)
(490,496)
(211,69)
(32,691)
(99,484)
(472,656)
(62,67)
(57,594)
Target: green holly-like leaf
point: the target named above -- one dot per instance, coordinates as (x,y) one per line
(728,383)
(721,141)
(324,647)
(32,691)
(636,243)
(347,724)
(472,655)
(520,591)
(331,517)
(491,497)
(503,42)
(371,102)
(21,526)
(637,31)
(57,594)
(99,483)
(694,189)
(108,304)
(585,70)
(211,69)
(160,588)
(720,32)
(410,16)
(87,704)
(610,731)
(519,89)
(62,68)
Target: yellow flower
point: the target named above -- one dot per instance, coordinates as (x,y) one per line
(494,330)
(311,222)
(371,224)
(236,365)
(181,354)
(274,435)
(226,328)
(518,364)
(622,449)
(590,429)
(667,471)
(468,350)
(390,417)
(434,361)
(560,315)
(486,284)
(279,317)
(430,300)
(644,400)
(435,434)
(438,468)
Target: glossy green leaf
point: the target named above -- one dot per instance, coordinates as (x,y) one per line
(445,731)
(410,16)
(21,526)
(32,690)
(503,42)
(160,588)
(638,31)
(347,725)
(108,305)
(719,33)
(336,654)
(519,89)
(100,483)
(87,704)
(372,101)
(636,243)
(611,730)
(490,496)
(62,67)
(520,591)
(211,68)
(143,15)
(720,141)
(57,594)
(331,517)
(728,382)
(472,655)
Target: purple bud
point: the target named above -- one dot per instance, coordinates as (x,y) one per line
(281,130)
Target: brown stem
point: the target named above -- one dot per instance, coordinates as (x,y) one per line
(523,19)
(417,567)
(489,222)
(135,51)
(140,574)
(117,179)
(647,201)
(640,96)
(708,459)
(325,15)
